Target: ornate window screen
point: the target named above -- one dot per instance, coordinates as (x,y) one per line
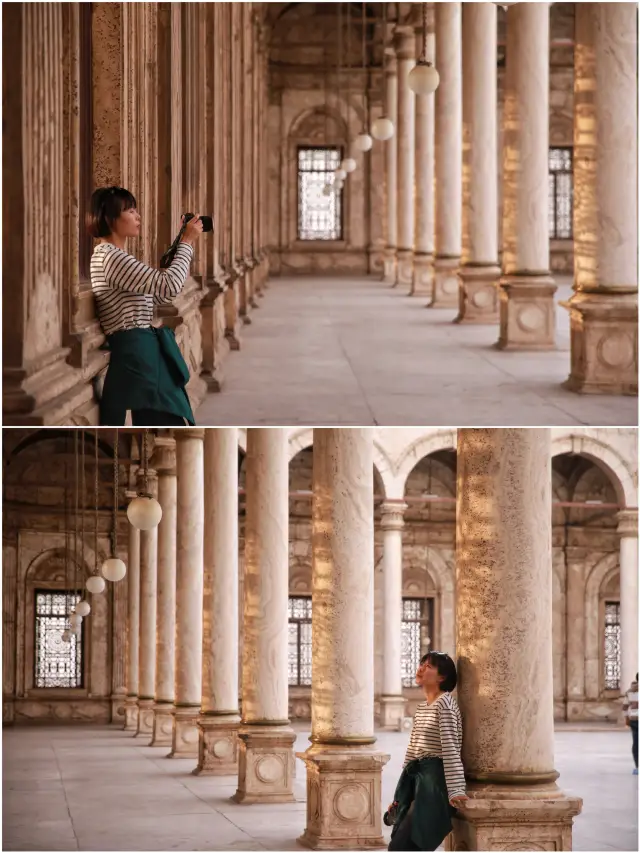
(612,645)
(57,664)
(560,193)
(417,637)
(300,642)
(319,215)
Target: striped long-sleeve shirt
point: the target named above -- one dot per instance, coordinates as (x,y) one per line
(437,732)
(126,290)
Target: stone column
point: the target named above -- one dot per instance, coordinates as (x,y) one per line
(392,701)
(148,617)
(219,718)
(504,643)
(266,760)
(164,462)
(133,628)
(189,589)
(604,307)
(422,283)
(628,532)
(479,274)
(344,770)
(527,306)
(405,46)
(391,164)
(448,161)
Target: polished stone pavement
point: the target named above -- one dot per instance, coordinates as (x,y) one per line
(99,788)
(334,351)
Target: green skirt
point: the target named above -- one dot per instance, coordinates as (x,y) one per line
(146,371)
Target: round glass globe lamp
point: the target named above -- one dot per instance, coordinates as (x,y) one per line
(382,129)
(75,620)
(363,142)
(423,78)
(83,608)
(114,569)
(95,584)
(144,512)
(66,636)
(348,164)
(340,174)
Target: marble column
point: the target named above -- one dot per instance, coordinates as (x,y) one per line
(219,718)
(344,769)
(189,591)
(133,627)
(392,702)
(266,760)
(405,47)
(504,643)
(164,462)
(604,307)
(448,155)
(526,291)
(479,274)
(391,164)
(422,283)
(628,532)
(148,617)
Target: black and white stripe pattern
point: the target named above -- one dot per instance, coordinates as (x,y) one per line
(437,732)
(126,290)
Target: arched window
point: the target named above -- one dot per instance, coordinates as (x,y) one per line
(319,215)
(57,664)
(300,641)
(611,645)
(560,193)
(417,635)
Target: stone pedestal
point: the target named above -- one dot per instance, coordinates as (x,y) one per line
(423,275)
(265,765)
(478,294)
(527,313)
(404,267)
(131,714)
(390,261)
(184,740)
(392,710)
(445,282)
(217,745)
(162,724)
(145,718)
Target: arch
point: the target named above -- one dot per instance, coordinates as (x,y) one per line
(442,439)
(607,458)
(303,124)
(51,555)
(598,577)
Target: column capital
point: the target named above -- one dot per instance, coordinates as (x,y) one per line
(392,515)
(152,481)
(164,456)
(628,523)
(404,42)
(189,432)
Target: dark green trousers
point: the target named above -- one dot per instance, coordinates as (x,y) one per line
(424,814)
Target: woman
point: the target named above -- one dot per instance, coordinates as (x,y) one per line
(432,783)
(147,374)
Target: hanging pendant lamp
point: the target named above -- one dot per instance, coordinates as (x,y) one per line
(144,511)
(363,141)
(95,583)
(66,634)
(423,78)
(382,128)
(113,569)
(348,164)
(75,620)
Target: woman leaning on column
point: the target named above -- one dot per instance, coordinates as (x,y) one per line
(147,373)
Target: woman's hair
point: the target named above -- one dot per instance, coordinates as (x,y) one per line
(445,667)
(107,203)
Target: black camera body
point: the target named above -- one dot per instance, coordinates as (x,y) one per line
(207,225)
(207,221)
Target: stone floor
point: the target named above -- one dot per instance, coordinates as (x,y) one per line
(339,351)
(97,788)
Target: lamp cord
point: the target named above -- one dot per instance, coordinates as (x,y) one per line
(114,531)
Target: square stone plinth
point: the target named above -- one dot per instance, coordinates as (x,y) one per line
(184,737)
(445,283)
(389,273)
(145,718)
(422,281)
(504,824)
(265,764)
(604,343)
(392,710)
(344,802)
(404,267)
(217,746)
(162,725)
(131,715)
(527,313)
(478,294)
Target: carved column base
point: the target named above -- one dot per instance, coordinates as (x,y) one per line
(184,734)
(217,745)
(445,283)
(604,343)
(404,268)
(376,261)
(422,281)
(527,312)
(392,710)
(265,764)
(478,294)
(117,708)
(162,734)
(344,798)
(145,718)
(389,268)
(131,714)
(514,821)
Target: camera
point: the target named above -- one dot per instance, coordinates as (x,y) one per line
(207,221)
(207,225)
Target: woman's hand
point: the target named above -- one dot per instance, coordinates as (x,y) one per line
(458,800)
(192,230)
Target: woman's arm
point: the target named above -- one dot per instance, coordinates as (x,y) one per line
(453,769)
(124,272)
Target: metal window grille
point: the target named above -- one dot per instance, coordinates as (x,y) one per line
(319,215)
(57,664)
(560,193)
(300,642)
(612,645)
(417,639)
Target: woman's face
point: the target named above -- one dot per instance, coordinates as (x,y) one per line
(127,224)
(427,675)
